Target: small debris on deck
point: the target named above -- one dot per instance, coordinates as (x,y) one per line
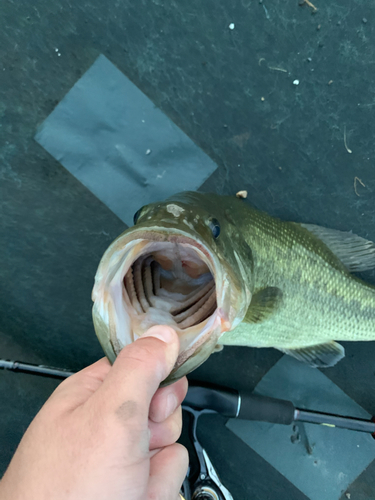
(241,194)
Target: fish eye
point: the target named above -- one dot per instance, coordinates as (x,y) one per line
(215,227)
(136,215)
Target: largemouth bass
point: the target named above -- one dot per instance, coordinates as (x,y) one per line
(223,273)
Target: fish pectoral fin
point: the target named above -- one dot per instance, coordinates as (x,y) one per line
(356,253)
(263,304)
(319,355)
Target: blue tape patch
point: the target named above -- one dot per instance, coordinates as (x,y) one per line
(324,461)
(114,140)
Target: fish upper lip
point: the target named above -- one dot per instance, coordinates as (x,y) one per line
(170,232)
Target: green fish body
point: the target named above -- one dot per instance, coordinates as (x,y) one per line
(278,284)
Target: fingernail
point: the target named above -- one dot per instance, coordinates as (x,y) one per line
(160,332)
(170,405)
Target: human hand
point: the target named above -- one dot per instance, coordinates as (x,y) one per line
(107,432)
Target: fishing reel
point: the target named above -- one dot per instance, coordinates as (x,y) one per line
(206,485)
(205,490)
(202,489)
(206,493)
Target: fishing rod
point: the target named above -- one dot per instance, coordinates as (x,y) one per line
(229,402)
(41,370)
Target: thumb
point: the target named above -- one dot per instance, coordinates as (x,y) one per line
(139,369)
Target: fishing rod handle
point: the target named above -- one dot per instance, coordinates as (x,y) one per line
(233,404)
(266,409)
(220,399)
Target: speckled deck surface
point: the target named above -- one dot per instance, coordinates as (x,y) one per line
(303,152)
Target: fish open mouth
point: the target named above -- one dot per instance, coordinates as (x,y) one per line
(155,279)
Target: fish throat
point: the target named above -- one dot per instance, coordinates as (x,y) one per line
(171,284)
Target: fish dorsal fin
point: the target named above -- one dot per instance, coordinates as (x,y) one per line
(319,355)
(356,253)
(263,304)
